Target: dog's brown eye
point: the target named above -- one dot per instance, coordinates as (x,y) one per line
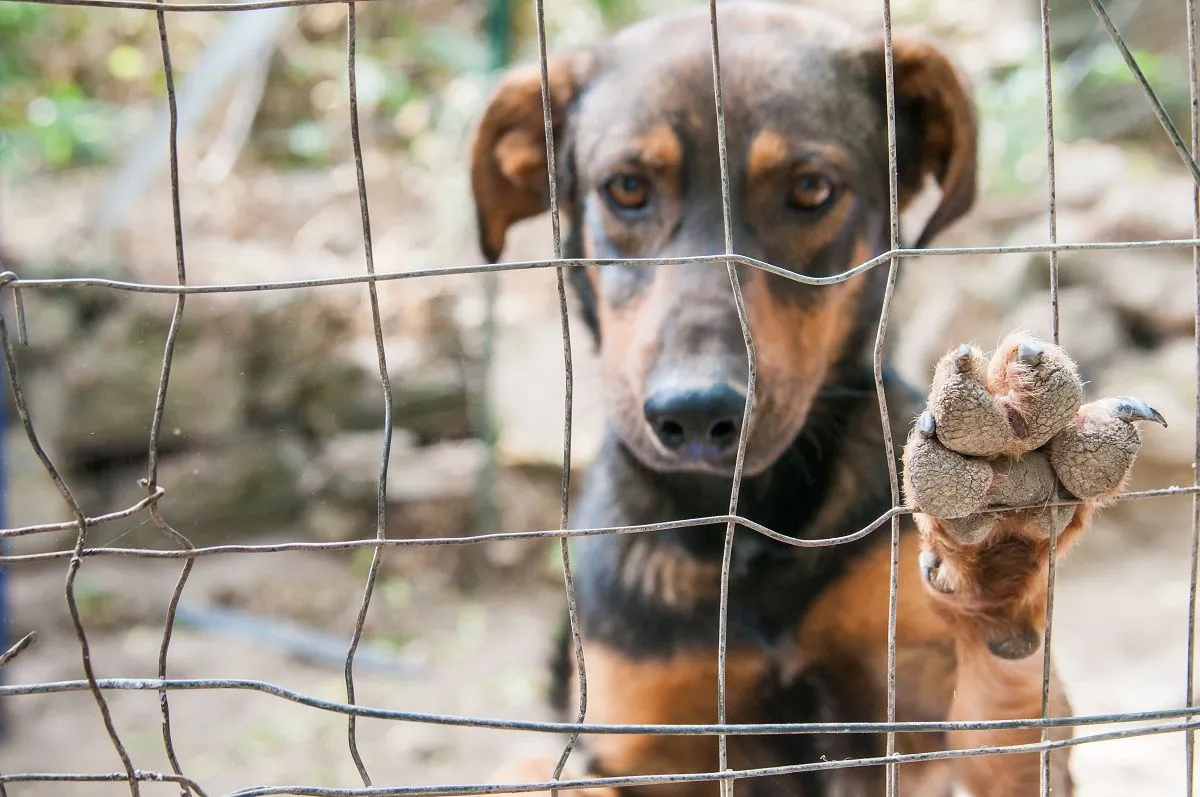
(628,191)
(810,190)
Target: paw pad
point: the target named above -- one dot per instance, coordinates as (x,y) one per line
(1010,432)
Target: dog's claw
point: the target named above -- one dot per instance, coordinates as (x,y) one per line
(962,357)
(1031,352)
(926,424)
(1129,408)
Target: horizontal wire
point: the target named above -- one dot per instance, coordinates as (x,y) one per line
(525,265)
(106,777)
(349,545)
(47,528)
(599,729)
(704,777)
(151,5)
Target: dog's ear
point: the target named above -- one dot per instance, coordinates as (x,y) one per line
(509,178)
(936,127)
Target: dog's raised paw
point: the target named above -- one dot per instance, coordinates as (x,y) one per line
(1010,433)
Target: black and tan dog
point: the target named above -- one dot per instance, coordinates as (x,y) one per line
(638,173)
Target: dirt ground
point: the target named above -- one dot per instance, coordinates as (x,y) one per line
(1119,639)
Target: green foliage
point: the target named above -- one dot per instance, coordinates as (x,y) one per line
(77,83)
(49,117)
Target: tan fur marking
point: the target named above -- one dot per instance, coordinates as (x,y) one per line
(659,149)
(679,690)
(795,345)
(768,152)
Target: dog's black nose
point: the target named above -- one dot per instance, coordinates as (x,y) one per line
(697,423)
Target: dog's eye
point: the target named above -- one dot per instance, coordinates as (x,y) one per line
(810,191)
(628,191)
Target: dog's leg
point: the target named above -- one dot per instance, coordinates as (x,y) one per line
(541,770)
(996,436)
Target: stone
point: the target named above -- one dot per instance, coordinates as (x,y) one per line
(1089,328)
(347,469)
(1155,290)
(1164,379)
(97,402)
(222,493)
(32,499)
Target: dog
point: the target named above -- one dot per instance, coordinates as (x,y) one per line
(638,176)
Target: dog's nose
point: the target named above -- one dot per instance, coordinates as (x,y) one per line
(698,423)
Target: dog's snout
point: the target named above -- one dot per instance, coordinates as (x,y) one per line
(697,423)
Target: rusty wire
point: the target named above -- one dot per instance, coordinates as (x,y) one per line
(1052,224)
(891,772)
(1194,572)
(1177,720)
(726,785)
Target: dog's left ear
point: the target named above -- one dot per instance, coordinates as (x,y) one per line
(936,127)
(509,178)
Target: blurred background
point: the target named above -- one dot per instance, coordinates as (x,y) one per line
(273,422)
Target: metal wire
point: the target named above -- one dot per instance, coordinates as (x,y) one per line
(1052,223)
(1194,571)
(569,392)
(726,786)
(532,726)
(384,380)
(1174,720)
(345,545)
(891,772)
(645,780)
(160,403)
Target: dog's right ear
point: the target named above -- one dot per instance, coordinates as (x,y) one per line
(509,178)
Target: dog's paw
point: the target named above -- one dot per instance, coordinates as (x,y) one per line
(541,770)
(1000,440)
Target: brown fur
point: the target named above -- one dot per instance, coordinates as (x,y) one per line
(804,96)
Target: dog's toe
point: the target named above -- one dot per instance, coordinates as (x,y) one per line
(1095,452)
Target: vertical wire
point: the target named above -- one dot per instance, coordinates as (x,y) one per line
(891,770)
(160,400)
(747,412)
(385,382)
(76,560)
(1189,697)
(1052,221)
(569,389)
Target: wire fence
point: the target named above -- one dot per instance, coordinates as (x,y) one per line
(1184,719)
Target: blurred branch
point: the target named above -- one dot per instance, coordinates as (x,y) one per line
(246,40)
(238,122)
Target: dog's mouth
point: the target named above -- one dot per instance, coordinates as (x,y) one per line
(699,431)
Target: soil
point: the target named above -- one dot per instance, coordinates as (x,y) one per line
(1119,638)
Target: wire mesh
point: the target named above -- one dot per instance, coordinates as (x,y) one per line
(1176,720)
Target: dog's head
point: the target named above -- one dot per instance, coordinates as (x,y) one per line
(639,176)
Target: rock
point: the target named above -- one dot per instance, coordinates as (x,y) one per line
(1085,170)
(298,369)
(98,400)
(347,469)
(1166,380)
(1089,328)
(1154,206)
(430,394)
(934,312)
(1156,290)
(526,388)
(219,494)
(31,499)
